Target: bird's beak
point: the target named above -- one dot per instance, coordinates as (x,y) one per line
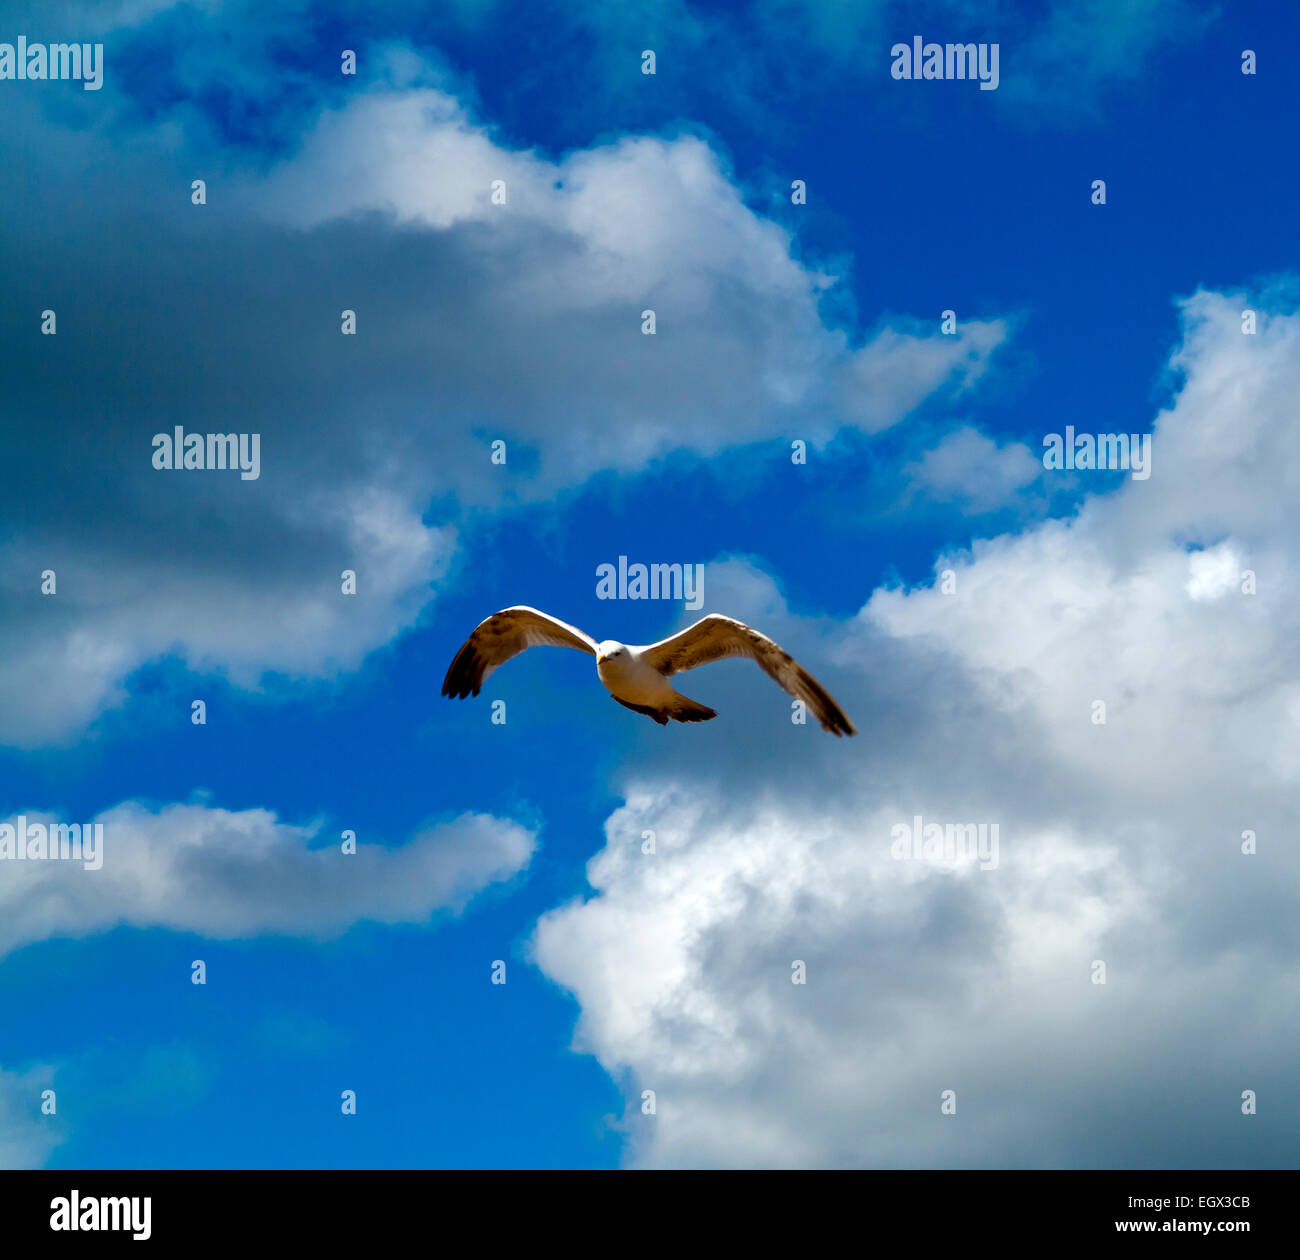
(600,660)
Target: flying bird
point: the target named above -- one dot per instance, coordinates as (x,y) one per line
(637,677)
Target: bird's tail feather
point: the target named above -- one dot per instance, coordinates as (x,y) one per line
(683,710)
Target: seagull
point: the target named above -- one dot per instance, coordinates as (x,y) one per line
(637,677)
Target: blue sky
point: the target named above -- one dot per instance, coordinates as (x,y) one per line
(671,192)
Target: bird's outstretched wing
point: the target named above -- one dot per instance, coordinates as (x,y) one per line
(714,637)
(503,635)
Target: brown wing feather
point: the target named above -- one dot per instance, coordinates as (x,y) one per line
(504,635)
(713,638)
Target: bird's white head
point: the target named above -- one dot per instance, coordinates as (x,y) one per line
(609,649)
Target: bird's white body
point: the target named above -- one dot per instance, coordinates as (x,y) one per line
(627,677)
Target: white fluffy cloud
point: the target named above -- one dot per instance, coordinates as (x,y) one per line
(229,874)
(972,469)
(590,241)
(1119,843)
